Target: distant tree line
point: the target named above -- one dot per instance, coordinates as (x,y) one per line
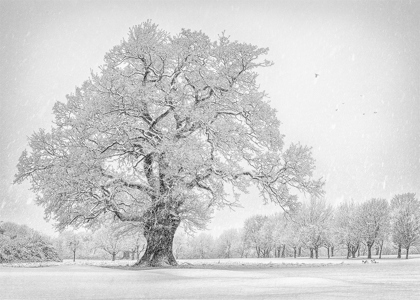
(315,229)
(112,241)
(374,227)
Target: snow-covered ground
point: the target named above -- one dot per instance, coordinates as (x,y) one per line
(336,278)
(231,262)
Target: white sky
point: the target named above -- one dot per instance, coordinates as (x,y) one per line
(366,52)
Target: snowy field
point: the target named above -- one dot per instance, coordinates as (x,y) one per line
(302,278)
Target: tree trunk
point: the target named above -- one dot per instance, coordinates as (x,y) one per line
(328,251)
(311,252)
(406,253)
(332,251)
(348,251)
(283,250)
(399,251)
(380,248)
(159,234)
(74,255)
(369,246)
(113,256)
(294,252)
(377,250)
(138,251)
(300,252)
(354,250)
(316,252)
(126,255)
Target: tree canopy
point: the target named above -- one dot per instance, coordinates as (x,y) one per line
(160,134)
(405,217)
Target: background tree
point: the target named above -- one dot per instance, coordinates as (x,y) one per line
(267,237)
(71,244)
(292,238)
(405,219)
(134,241)
(137,244)
(373,219)
(329,237)
(348,228)
(279,234)
(74,244)
(202,246)
(111,240)
(180,247)
(228,243)
(314,219)
(157,136)
(84,242)
(252,233)
(243,247)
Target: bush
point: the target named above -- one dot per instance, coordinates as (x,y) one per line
(21,244)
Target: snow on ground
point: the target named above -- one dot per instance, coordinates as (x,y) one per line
(230,262)
(208,279)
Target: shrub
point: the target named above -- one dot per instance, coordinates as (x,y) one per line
(21,244)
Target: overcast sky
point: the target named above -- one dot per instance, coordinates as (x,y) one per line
(361,114)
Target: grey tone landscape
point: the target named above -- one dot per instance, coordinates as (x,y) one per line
(219,279)
(206,150)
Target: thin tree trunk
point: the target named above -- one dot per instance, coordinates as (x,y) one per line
(294,252)
(380,249)
(348,251)
(283,255)
(300,252)
(311,252)
(399,251)
(113,256)
(328,252)
(332,251)
(406,253)
(316,252)
(74,255)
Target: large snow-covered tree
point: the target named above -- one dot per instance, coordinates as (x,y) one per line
(160,135)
